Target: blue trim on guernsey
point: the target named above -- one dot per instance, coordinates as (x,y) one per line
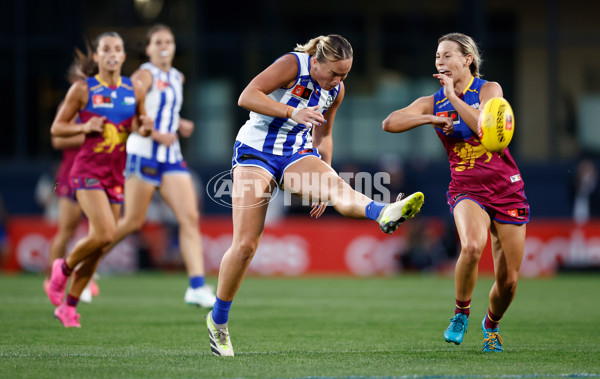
(155,144)
(171,126)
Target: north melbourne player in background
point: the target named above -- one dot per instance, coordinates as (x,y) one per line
(155,162)
(110,106)
(486,191)
(287,142)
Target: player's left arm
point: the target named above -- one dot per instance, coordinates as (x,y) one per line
(489,90)
(142,123)
(322,134)
(186,127)
(469,114)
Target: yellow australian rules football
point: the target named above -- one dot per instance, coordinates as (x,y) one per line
(496,124)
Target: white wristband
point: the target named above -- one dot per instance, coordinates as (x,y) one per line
(295,112)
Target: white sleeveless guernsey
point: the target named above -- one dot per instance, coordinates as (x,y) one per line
(163,103)
(283,136)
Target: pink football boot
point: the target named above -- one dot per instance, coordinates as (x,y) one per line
(67,315)
(55,288)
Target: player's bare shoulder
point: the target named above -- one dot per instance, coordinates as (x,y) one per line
(489,90)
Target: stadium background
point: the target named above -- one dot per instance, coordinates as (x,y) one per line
(544,53)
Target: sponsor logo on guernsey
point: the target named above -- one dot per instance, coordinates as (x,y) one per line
(301,92)
(515,178)
(452,114)
(100,101)
(129,100)
(161,85)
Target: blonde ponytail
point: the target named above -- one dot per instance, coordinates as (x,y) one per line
(331,48)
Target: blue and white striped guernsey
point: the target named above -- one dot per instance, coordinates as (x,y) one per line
(163,103)
(283,136)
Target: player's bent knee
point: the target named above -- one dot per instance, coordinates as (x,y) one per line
(245,250)
(471,252)
(103,237)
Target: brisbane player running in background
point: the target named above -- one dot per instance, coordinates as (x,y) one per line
(110,106)
(69,211)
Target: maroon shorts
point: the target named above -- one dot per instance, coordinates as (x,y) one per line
(64,188)
(114,192)
(513,210)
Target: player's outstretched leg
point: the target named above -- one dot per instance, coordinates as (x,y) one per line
(396,213)
(491,339)
(220,342)
(457,328)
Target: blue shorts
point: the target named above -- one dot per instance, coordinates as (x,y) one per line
(151,171)
(244,155)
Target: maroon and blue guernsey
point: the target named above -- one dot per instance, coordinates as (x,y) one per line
(488,178)
(101,159)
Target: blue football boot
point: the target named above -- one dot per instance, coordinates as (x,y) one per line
(491,339)
(457,328)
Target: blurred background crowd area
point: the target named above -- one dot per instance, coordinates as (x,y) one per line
(544,53)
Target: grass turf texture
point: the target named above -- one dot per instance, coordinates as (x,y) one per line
(140,327)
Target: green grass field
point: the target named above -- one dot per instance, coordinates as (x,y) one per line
(139,327)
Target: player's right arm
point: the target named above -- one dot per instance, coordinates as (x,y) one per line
(143,79)
(420,112)
(281,73)
(60,143)
(76,99)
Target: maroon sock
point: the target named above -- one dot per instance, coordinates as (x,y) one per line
(66,269)
(491,320)
(72,300)
(463,307)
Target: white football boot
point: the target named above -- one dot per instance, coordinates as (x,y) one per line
(396,213)
(220,342)
(203,296)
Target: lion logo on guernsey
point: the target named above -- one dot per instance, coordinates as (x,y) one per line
(112,138)
(468,154)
